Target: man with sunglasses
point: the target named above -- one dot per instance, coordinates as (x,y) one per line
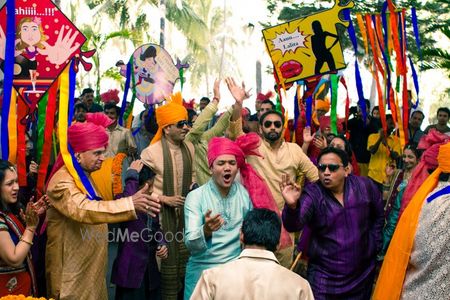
(277,158)
(171,157)
(345,215)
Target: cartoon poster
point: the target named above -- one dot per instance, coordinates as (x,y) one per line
(155,73)
(308,46)
(45,42)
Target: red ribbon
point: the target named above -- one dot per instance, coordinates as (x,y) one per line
(47,147)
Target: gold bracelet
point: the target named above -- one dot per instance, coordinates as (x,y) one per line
(26,242)
(32,231)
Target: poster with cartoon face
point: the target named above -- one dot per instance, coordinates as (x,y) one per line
(307,47)
(45,42)
(155,73)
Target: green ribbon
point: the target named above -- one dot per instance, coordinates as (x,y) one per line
(181,78)
(334,87)
(42,109)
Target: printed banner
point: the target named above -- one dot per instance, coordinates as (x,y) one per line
(45,42)
(307,47)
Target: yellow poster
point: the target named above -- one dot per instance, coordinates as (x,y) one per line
(307,46)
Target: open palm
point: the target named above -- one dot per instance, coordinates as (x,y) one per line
(63,48)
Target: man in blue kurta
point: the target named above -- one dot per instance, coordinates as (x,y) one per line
(214,213)
(345,215)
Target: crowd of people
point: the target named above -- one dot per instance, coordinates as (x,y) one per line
(213,206)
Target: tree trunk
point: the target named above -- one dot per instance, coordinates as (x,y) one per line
(258,77)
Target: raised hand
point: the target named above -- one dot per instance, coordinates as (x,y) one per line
(320,142)
(238,92)
(212,223)
(41,206)
(216,89)
(307,137)
(290,191)
(34,167)
(143,202)
(62,49)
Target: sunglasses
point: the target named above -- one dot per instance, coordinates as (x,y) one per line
(277,124)
(331,167)
(181,124)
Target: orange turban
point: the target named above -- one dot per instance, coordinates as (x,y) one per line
(323,105)
(170,113)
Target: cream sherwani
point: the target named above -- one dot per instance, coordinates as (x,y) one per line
(256,274)
(77,246)
(289,159)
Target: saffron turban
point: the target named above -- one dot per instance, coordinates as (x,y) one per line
(322,105)
(170,113)
(257,188)
(393,271)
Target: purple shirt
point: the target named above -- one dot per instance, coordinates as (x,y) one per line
(344,240)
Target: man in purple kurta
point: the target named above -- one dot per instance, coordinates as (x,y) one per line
(345,215)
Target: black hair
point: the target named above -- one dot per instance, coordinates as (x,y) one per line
(443,109)
(86,91)
(418,112)
(149,52)
(145,174)
(375,108)
(81,105)
(267,101)
(271,112)
(111,105)
(347,145)
(413,147)
(205,99)
(367,102)
(389,116)
(191,114)
(262,227)
(4,207)
(341,153)
(444,177)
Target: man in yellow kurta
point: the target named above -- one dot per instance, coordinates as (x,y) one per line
(77,232)
(278,158)
(383,149)
(171,157)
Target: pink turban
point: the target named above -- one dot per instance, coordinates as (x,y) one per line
(85,136)
(90,134)
(429,160)
(257,188)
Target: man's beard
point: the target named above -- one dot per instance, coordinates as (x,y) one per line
(272,136)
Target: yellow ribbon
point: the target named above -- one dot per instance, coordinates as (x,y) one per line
(63,127)
(12,127)
(362,29)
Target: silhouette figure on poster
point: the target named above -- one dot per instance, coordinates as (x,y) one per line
(319,48)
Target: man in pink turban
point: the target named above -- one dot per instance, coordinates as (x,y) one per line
(77,232)
(215,211)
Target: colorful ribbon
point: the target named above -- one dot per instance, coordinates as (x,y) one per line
(334,98)
(12,127)
(416,30)
(8,71)
(21,164)
(125,93)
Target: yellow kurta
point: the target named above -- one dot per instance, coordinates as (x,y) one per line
(77,246)
(379,160)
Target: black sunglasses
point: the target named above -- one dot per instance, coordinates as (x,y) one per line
(181,124)
(277,124)
(331,167)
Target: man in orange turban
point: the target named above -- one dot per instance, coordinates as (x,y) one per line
(171,157)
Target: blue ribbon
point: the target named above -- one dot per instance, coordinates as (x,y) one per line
(402,34)
(416,30)
(359,87)
(439,193)
(8,72)
(416,81)
(385,24)
(125,93)
(72,84)
(308,111)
